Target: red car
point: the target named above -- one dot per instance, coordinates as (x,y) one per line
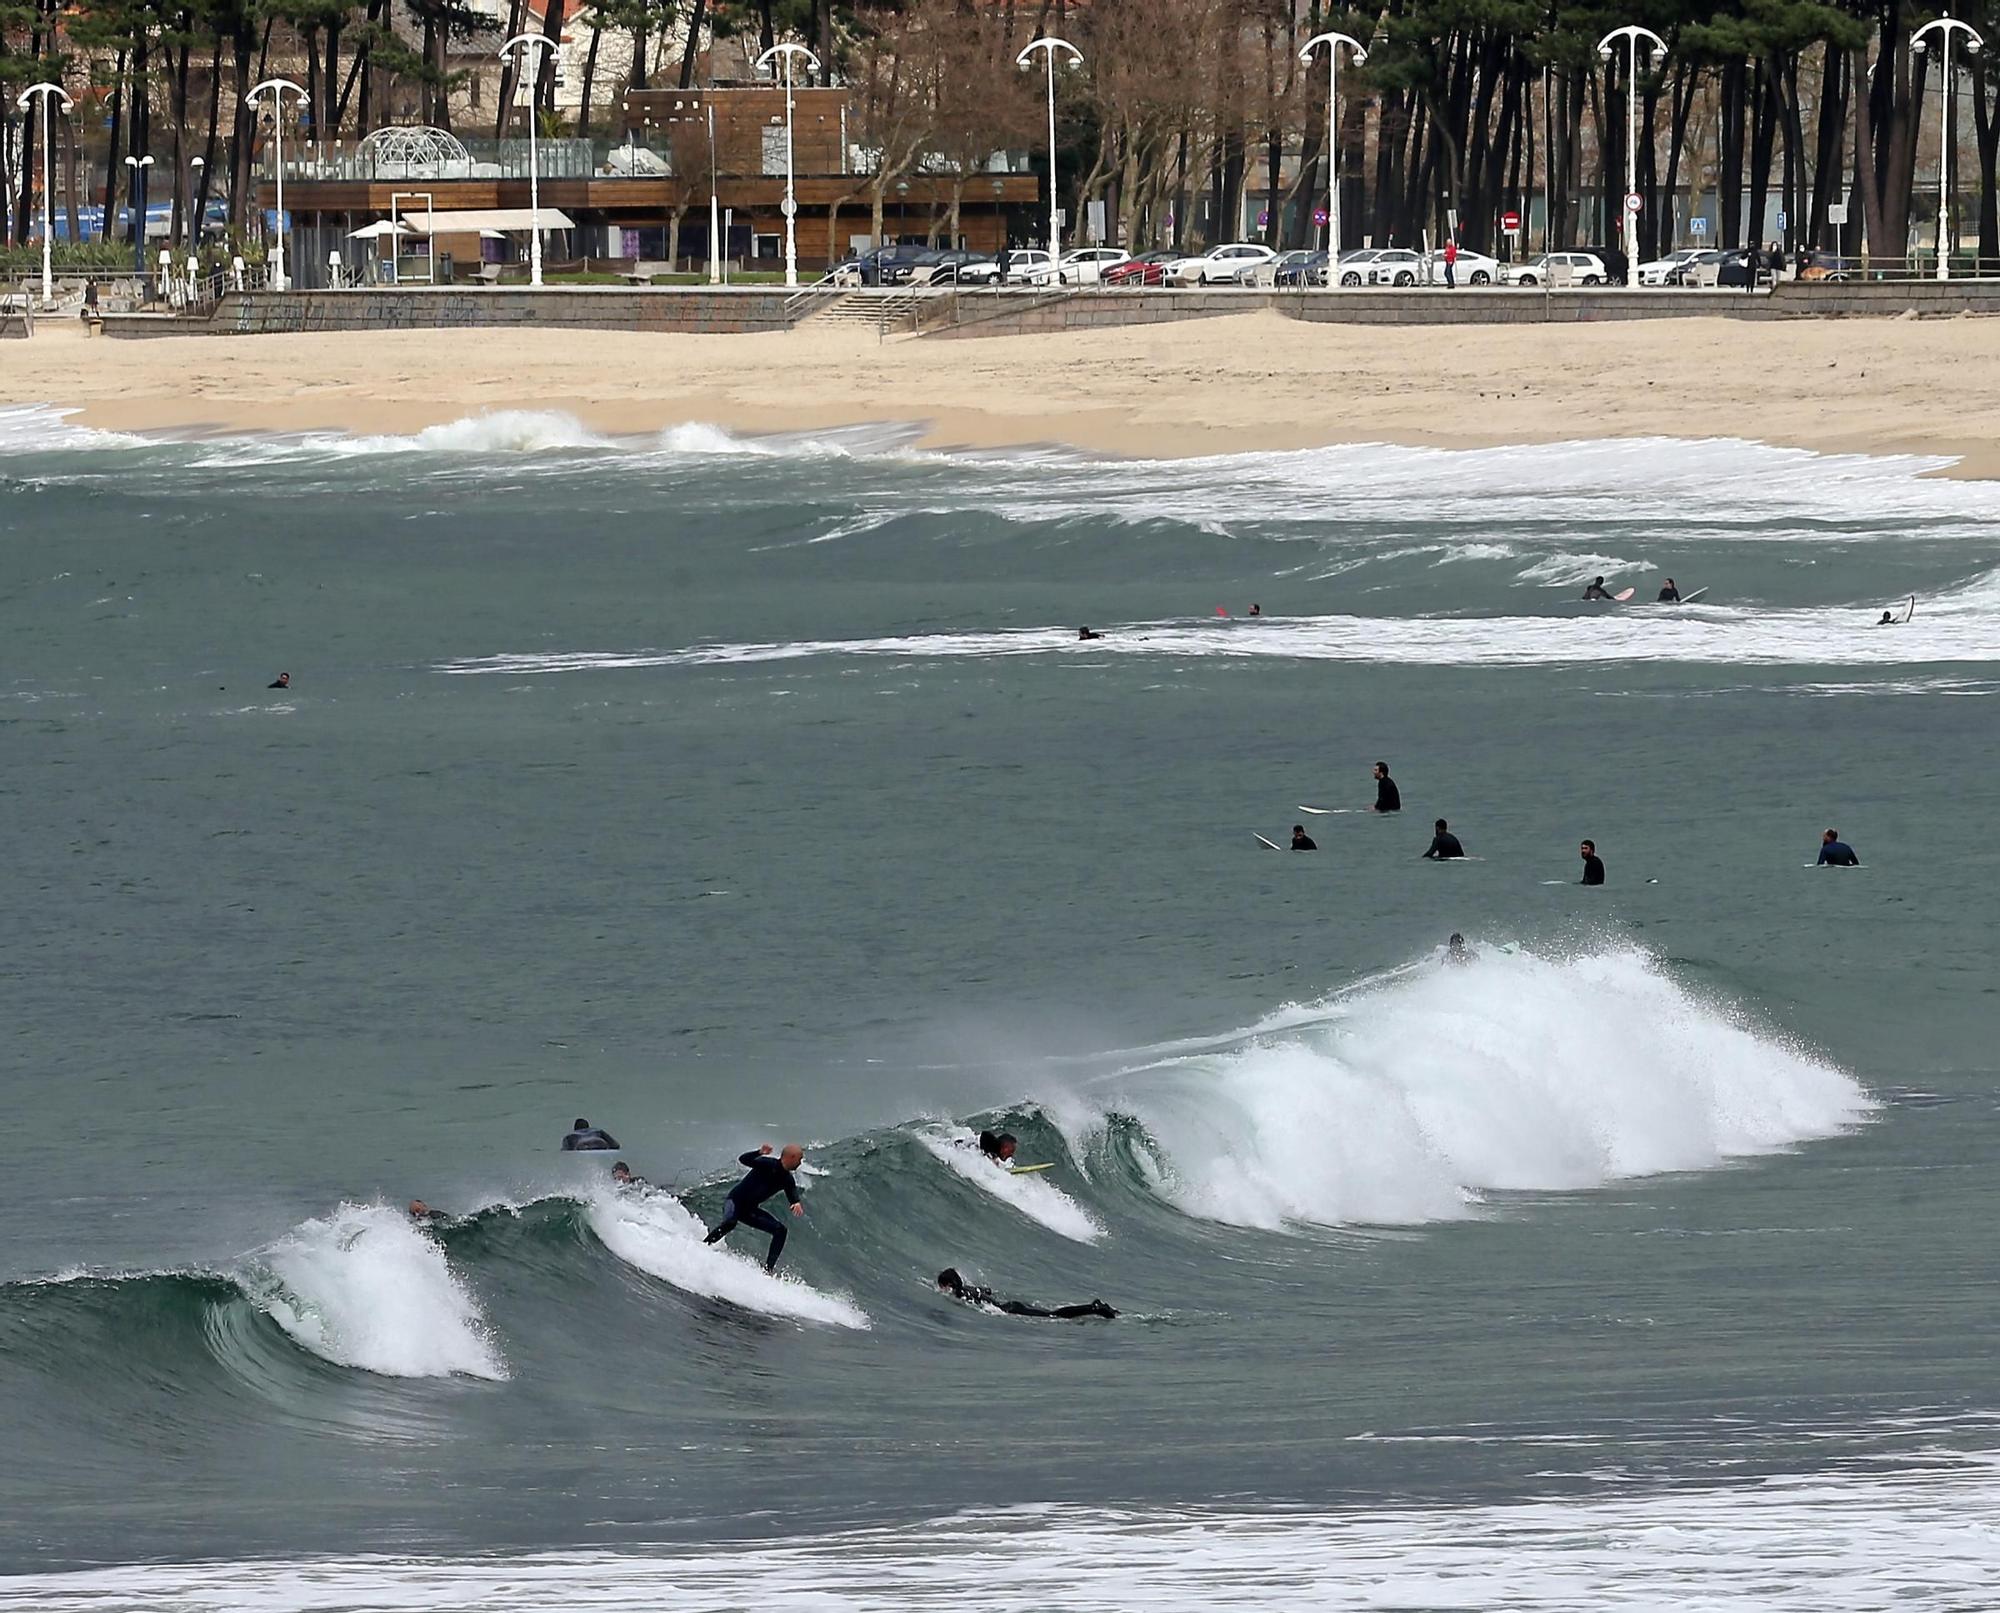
(1144,270)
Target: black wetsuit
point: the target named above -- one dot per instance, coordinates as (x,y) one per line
(1304,842)
(1020,1307)
(1597,591)
(1593,870)
(743,1206)
(1838,854)
(1387,797)
(1670,595)
(589,1140)
(1444,846)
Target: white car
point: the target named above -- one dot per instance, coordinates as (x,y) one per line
(1393,266)
(1355,264)
(1471,269)
(1584,269)
(1085,265)
(1219,267)
(1666,271)
(1025,266)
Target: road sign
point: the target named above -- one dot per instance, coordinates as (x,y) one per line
(1319,215)
(1510,221)
(1697,226)
(1781,219)
(1633,202)
(1264,218)
(1836,212)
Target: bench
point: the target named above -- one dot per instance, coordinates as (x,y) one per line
(643,271)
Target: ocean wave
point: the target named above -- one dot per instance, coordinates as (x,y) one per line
(658,1235)
(1409,1101)
(1926,1536)
(957,1147)
(363,1287)
(1958,625)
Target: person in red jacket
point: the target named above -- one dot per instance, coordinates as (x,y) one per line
(1450,264)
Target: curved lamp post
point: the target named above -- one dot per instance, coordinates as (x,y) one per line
(1945,27)
(46,92)
(275,88)
(1333,43)
(1048,45)
(786,53)
(1632,33)
(515,50)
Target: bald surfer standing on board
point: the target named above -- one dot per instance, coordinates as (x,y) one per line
(744,1206)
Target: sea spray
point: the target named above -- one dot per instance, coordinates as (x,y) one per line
(363,1287)
(657,1234)
(1403,1103)
(1039,1200)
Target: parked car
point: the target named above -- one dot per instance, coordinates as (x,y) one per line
(944,267)
(1355,263)
(1296,271)
(1584,269)
(1266,272)
(1085,266)
(1147,269)
(1734,271)
(1471,269)
(1694,271)
(1614,262)
(1217,267)
(1666,271)
(899,266)
(1396,266)
(1024,266)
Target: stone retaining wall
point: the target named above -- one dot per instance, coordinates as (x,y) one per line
(718,310)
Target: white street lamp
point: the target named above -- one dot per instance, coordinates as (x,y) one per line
(1945,27)
(276,88)
(1333,42)
(46,92)
(139,165)
(1632,33)
(195,166)
(1048,45)
(786,53)
(515,49)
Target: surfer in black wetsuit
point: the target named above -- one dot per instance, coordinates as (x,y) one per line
(998,1146)
(1670,595)
(1835,852)
(621,1173)
(951,1283)
(1456,951)
(1593,865)
(584,1138)
(1444,844)
(422,1213)
(1387,797)
(743,1206)
(1597,590)
(282,681)
(1085,632)
(1301,841)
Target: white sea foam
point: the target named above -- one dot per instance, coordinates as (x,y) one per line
(1926,1540)
(25,427)
(656,1233)
(363,1287)
(1405,1102)
(1039,1200)
(1962,625)
(1574,570)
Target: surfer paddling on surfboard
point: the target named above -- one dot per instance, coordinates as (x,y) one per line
(1597,590)
(744,1206)
(951,1283)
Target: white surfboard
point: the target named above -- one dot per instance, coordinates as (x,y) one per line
(1624,594)
(1689,599)
(1328,812)
(1268,845)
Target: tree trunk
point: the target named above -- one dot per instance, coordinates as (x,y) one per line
(584,119)
(696,15)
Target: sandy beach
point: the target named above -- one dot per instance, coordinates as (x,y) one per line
(1255,381)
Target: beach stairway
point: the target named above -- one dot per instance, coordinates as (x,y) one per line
(883,310)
